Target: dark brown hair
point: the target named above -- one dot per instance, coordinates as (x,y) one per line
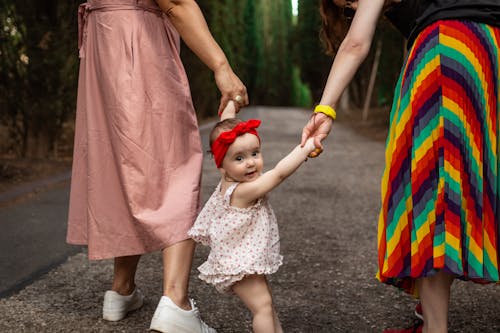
(333,26)
(223,126)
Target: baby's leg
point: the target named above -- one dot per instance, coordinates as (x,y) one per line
(277,324)
(255,293)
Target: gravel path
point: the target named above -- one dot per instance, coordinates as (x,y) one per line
(327,212)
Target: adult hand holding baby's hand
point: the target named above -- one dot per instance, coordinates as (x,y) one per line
(317,128)
(313,151)
(231,88)
(229,111)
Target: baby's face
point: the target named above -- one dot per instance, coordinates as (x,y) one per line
(243,161)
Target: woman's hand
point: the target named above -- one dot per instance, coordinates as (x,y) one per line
(231,88)
(318,127)
(351,53)
(189,21)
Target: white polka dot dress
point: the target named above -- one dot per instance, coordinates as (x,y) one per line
(242,240)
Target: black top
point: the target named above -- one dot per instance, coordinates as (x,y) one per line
(412,16)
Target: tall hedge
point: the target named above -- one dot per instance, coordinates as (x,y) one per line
(276,60)
(256,37)
(38,70)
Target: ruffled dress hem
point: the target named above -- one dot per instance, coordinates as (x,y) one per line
(224,280)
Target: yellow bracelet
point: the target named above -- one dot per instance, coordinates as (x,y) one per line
(327,110)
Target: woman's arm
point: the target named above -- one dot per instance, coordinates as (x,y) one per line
(188,20)
(352,52)
(246,193)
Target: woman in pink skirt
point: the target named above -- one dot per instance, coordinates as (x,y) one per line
(137,154)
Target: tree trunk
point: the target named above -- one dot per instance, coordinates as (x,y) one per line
(38,145)
(371,84)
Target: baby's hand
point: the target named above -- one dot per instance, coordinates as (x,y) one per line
(314,152)
(229,111)
(311,149)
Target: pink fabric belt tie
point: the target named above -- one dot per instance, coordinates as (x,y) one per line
(85,8)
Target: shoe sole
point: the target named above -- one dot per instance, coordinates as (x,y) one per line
(110,315)
(170,328)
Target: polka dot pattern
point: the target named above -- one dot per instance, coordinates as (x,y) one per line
(242,240)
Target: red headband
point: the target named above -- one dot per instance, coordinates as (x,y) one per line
(225,139)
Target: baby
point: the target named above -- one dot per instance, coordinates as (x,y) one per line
(238,223)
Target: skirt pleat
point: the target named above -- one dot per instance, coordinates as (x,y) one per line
(440,188)
(135,186)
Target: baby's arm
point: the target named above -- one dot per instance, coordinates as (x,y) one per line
(229,111)
(250,191)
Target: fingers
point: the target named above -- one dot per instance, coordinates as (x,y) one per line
(237,106)
(317,141)
(231,88)
(308,130)
(305,135)
(241,91)
(241,99)
(229,111)
(222,105)
(315,153)
(246,99)
(231,106)
(238,102)
(238,99)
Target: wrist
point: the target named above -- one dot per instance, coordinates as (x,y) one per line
(220,65)
(327,110)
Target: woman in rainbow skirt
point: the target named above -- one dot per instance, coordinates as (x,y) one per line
(440,209)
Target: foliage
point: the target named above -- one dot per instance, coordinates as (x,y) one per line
(301,94)
(13,62)
(255,36)
(388,70)
(39,72)
(280,60)
(390,62)
(314,66)
(307,49)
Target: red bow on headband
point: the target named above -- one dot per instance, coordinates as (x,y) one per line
(225,139)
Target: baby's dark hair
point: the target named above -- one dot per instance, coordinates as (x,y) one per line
(223,126)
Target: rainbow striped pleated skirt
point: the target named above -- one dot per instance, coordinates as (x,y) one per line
(441,185)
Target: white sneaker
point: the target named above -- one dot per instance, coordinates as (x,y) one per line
(116,306)
(169,318)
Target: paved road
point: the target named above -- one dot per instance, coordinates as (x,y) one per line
(327,213)
(32,237)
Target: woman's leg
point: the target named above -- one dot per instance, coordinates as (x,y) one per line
(123,296)
(174,312)
(435,295)
(254,291)
(177,260)
(124,274)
